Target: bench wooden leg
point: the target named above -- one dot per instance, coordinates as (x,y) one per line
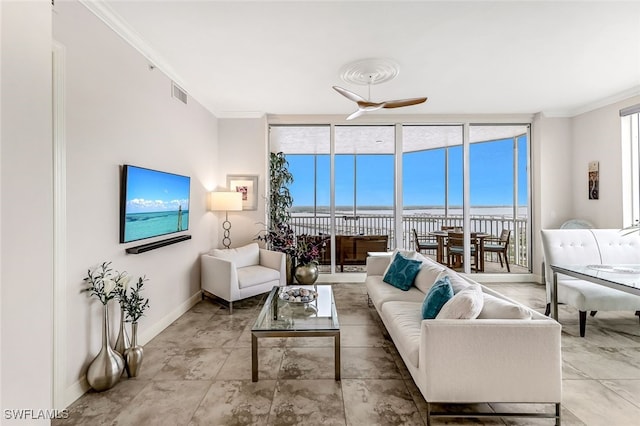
(583,322)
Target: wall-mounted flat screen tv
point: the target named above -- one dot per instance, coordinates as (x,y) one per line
(152,203)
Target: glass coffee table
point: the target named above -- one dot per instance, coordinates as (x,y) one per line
(282,318)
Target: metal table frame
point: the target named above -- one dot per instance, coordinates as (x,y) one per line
(255,334)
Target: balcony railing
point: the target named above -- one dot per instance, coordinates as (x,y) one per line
(380,224)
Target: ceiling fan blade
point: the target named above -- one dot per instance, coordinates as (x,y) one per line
(403,102)
(356,114)
(371,106)
(349,94)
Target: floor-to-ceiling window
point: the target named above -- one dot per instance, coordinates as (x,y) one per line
(499,194)
(630,126)
(434,159)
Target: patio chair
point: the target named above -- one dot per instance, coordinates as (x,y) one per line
(455,249)
(499,245)
(424,242)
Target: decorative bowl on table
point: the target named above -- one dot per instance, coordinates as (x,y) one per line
(297,295)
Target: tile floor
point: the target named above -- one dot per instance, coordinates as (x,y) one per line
(198,372)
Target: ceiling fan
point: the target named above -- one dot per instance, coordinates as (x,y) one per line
(365,105)
(368,72)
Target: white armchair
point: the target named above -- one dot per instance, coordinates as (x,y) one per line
(235,274)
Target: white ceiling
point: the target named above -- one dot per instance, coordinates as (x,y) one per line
(240,58)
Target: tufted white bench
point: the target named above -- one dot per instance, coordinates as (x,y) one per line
(590,247)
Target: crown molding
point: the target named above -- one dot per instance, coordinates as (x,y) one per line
(620,96)
(106,14)
(240,114)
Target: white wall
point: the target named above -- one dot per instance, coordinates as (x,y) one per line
(243,150)
(551,178)
(26,256)
(597,137)
(119,111)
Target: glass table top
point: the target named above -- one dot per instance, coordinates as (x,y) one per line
(615,275)
(281,315)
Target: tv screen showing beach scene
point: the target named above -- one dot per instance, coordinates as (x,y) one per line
(153,203)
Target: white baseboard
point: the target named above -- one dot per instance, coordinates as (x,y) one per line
(77,389)
(505,278)
(151,332)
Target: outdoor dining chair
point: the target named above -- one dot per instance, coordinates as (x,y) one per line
(455,249)
(499,245)
(424,242)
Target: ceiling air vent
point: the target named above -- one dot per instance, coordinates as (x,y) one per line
(178,93)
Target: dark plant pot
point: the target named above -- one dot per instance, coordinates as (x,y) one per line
(290,270)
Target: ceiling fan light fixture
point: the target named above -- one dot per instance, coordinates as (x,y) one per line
(369,71)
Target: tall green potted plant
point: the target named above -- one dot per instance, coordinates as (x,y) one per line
(279,235)
(280,199)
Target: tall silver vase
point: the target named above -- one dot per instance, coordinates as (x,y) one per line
(106,368)
(134,354)
(121,343)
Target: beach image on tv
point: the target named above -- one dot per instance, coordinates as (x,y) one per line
(157,203)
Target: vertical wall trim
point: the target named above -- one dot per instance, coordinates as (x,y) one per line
(59,227)
(466,199)
(332,195)
(399,201)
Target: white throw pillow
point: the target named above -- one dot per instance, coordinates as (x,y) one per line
(409,254)
(429,273)
(458,282)
(248,255)
(467,304)
(496,308)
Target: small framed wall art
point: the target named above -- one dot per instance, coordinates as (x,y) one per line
(248,185)
(594,180)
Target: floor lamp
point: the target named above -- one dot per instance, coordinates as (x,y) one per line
(227,202)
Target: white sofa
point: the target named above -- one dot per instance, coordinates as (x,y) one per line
(235,274)
(510,354)
(589,247)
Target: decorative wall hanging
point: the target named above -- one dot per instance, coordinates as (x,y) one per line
(248,186)
(594,180)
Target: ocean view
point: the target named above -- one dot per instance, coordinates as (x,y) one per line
(145,225)
(493,211)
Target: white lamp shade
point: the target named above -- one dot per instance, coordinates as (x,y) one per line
(226,201)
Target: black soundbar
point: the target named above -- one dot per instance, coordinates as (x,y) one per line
(157,244)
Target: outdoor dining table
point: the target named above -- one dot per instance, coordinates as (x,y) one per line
(441,237)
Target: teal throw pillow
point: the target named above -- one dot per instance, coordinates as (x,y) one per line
(439,294)
(402,272)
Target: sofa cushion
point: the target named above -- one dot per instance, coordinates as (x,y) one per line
(429,273)
(402,272)
(404,321)
(467,304)
(242,256)
(497,308)
(253,275)
(438,295)
(381,292)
